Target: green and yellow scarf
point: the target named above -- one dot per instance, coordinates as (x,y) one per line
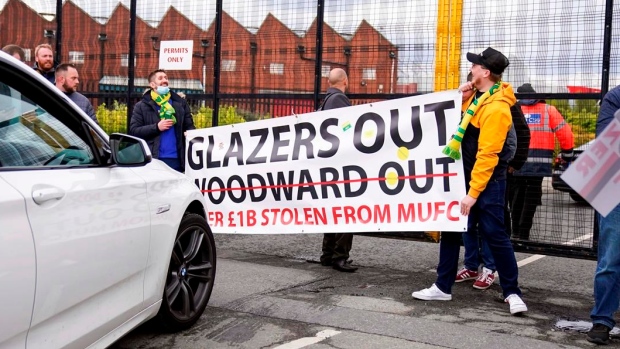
(454,145)
(166,111)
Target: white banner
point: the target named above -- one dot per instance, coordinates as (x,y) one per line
(595,175)
(367,168)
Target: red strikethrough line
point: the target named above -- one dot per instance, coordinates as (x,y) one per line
(327,183)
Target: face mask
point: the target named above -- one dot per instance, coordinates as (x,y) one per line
(162,90)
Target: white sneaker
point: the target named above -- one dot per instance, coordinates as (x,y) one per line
(517,306)
(432,294)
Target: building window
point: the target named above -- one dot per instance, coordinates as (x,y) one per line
(369,74)
(224,53)
(229,65)
(125,60)
(330,49)
(267,51)
(27,55)
(325,71)
(76,57)
(283,51)
(239,52)
(276,68)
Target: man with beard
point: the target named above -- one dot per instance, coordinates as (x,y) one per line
(161,118)
(44,61)
(67,80)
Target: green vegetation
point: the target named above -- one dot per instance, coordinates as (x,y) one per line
(581,115)
(115,119)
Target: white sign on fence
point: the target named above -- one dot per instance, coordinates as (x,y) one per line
(176,55)
(367,168)
(595,175)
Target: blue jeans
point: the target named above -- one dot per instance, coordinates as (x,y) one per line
(472,242)
(607,277)
(488,215)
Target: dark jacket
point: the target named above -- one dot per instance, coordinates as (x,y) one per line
(144,121)
(335,99)
(49,75)
(523,137)
(84,104)
(609,106)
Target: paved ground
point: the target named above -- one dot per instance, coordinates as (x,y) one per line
(267,294)
(270,292)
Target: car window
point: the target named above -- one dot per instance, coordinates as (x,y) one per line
(31,136)
(101,145)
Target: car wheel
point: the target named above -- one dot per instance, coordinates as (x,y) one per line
(577,198)
(191,274)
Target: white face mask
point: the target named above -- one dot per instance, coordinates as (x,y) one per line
(163,90)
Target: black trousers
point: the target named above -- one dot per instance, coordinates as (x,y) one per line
(336,246)
(525,195)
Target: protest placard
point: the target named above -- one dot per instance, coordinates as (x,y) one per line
(368,168)
(595,175)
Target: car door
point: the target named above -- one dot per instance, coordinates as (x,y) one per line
(17,269)
(89,220)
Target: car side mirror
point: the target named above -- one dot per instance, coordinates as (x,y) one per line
(129,150)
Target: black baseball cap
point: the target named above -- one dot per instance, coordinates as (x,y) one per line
(491,59)
(526,88)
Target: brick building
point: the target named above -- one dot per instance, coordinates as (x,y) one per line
(272,58)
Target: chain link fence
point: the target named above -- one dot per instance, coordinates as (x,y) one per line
(270,58)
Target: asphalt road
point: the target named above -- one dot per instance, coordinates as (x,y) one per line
(270,292)
(562,221)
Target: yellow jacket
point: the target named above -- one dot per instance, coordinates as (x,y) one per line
(485,137)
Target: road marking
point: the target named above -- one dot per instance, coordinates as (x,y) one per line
(530,259)
(306,341)
(579,239)
(536,257)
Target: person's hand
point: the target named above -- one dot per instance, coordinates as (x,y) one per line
(165,124)
(467,89)
(466,204)
(468,86)
(511,169)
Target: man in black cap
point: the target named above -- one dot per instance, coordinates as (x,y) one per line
(485,163)
(525,194)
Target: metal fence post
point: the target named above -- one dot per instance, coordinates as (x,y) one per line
(130,65)
(609,7)
(320,10)
(216,63)
(58,31)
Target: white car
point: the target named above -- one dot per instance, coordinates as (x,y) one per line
(95,236)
